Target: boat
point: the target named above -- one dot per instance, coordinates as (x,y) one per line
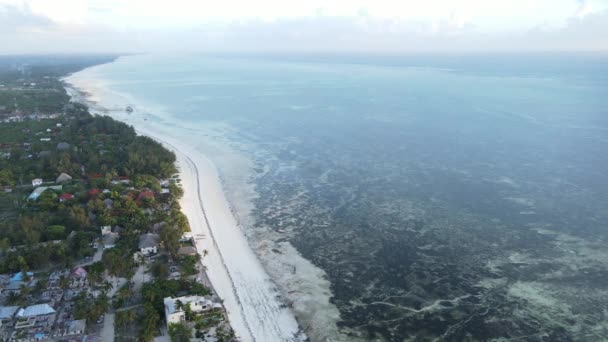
(129,109)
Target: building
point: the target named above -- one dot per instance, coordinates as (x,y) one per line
(63,177)
(109,240)
(38,191)
(35,311)
(79,272)
(7,313)
(174,312)
(148,243)
(63,146)
(65,197)
(105,230)
(76,327)
(37,182)
(187,250)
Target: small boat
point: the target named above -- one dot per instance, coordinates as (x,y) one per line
(129,109)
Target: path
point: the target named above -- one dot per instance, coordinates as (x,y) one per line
(107,332)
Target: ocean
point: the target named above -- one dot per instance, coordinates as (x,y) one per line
(454,197)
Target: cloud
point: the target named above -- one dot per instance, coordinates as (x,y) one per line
(18,19)
(325,30)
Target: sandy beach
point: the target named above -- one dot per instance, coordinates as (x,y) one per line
(254,306)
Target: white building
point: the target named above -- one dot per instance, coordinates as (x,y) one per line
(105,230)
(175,314)
(37,182)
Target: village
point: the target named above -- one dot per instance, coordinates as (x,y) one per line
(93,245)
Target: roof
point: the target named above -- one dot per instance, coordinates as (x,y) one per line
(66,196)
(149,240)
(14,286)
(63,146)
(94,192)
(8,311)
(35,310)
(109,240)
(64,177)
(187,250)
(80,272)
(170,302)
(145,194)
(37,180)
(38,191)
(77,325)
(19,276)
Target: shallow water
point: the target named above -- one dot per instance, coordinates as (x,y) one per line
(442,197)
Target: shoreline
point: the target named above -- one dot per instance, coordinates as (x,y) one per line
(251,300)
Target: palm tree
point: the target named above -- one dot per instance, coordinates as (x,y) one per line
(179,306)
(205,252)
(64,282)
(107,286)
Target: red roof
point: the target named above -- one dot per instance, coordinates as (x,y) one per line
(145,194)
(65,197)
(95,175)
(94,192)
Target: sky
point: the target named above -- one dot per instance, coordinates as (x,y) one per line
(372,26)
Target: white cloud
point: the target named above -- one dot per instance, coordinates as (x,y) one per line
(363,25)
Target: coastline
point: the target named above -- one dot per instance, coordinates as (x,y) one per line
(252,302)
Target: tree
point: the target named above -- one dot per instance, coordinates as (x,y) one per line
(95,272)
(179,332)
(124,318)
(170,237)
(64,282)
(106,287)
(31,228)
(55,232)
(149,323)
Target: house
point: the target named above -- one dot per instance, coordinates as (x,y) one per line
(7,313)
(146,194)
(63,177)
(109,203)
(38,191)
(76,327)
(105,230)
(164,191)
(187,250)
(63,146)
(79,272)
(148,243)
(175,314)
(45,139)
(36,182)
(44,154)
(59,125)
(65,197)
(35,311)
(19,276)
(109,240)
(94,192)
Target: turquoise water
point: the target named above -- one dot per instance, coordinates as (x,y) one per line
(447,197)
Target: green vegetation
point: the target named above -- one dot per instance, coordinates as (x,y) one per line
(179,332)
(113,180)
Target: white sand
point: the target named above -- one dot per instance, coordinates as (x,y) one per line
(252,302)
(233,268)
